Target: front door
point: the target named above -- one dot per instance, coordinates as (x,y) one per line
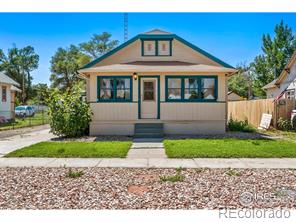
(149,98)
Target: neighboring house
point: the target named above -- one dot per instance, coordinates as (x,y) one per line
(285,85)
(157,78)
(7,96)
(232,96)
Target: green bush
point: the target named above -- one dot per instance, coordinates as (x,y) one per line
(284,124)
(243,126)
(68,115)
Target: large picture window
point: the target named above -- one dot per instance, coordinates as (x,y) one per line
(191,88)
(114,89)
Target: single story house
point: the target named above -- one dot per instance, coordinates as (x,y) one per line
(157,80)
(7,96)
(285,85)
(232,96)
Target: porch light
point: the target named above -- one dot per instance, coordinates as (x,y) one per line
(135,75)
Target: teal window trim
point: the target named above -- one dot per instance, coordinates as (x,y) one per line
(156,46)
(199,99)
(114,99)
(139,95)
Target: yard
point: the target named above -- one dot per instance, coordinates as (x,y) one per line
(38,119)
(74,149)
(229,148)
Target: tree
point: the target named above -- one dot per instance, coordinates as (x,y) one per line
(18,64)
(40,93)
(64,66)
(98,45)
(276,53)
(242,82)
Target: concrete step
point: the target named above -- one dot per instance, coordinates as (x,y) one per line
(148,130)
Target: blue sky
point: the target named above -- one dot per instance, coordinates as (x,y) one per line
(232,37)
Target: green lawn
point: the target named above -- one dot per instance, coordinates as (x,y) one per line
(37,119)
(74,149)
(229,148)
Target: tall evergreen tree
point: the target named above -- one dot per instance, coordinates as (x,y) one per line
(276,53)
(18,64)
(98,45)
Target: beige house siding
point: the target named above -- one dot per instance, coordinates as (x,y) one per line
(180,52)
(179,118)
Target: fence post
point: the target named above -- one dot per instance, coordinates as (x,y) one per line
(275,114)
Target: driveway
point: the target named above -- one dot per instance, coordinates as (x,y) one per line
(11,143)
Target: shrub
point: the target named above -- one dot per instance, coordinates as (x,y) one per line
(284,124)
(236,125)
(68,115)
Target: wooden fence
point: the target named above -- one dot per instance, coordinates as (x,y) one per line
(252,110)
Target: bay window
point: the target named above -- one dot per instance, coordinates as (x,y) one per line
(191,88)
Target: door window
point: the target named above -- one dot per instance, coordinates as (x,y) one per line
(149,91)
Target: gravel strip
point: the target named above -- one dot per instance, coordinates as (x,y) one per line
(116,188)
(94,138)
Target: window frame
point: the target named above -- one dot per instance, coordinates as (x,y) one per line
(114,89)
(156,46)
(198,99)
(4,95)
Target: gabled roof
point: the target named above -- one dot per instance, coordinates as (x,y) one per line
(286,70)
(157,32)
(270,85)
(158,36)
(5,79)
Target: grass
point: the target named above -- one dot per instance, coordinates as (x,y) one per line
(37,119)
(229,148)
(74,174)
(178,177)
(74,149)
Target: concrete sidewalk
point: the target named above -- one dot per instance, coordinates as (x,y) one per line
(15,142)
(272,163)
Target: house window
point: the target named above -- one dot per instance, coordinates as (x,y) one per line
(208,88)
(191,88)
(290,94)
(4,93)
(149,48)
(164,48)
(114,89)
(157,47)
(174,88)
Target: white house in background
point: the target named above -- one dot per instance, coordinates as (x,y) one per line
(7,96)
(232,96)
(285,85)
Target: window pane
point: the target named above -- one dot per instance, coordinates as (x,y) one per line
(149,95)
(208,83)
(191,94)
(164,48)
(106,94)
(149,47)
(208,94)
(106,83)
(191,83)
(123,94)
(174,83)
(174,93)
(123,83)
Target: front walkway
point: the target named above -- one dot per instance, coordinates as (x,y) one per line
(272,163)
(147,148)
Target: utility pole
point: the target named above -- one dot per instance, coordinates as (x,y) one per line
(125,27)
